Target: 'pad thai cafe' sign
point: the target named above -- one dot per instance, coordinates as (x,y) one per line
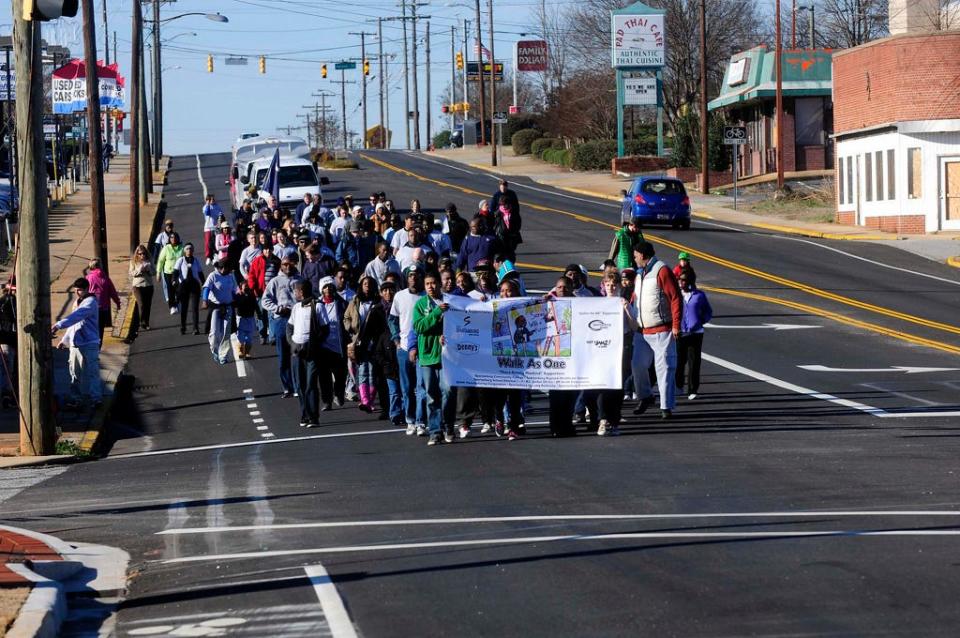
(638,40)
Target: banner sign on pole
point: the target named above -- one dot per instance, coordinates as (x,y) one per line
(532,55)
(638,40)
(534,344)
(70,87)
(640,91)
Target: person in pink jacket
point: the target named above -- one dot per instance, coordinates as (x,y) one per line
(103,289)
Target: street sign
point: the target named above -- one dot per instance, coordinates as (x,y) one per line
(734,135)
(640,91)
(345,66)
(514,110)
(234,60)
(499,117)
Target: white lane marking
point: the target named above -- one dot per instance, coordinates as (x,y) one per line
(177,516)
(513,540)
(263,427)
(255,413)
(241,364)
(870,261)
(200,177)
(268,435)
(258,420)
(907,369)
(903,395)
(786,385)
(564,517)
(798,389)
(247,390)
(333,610)
(763,326)
(250,399)
(223,446)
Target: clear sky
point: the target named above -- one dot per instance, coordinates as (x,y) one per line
(205,112)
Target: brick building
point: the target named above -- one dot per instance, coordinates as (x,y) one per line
(897,122)
(748,97)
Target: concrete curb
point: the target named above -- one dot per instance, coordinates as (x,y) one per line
(953,261)
(791,230)
(46,606)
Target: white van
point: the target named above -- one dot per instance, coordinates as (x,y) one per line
(252,157)
(297,176)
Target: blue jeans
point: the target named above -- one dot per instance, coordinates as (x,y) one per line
(278,331)
(393,396)
(410,388)
(308,382)
(437,395)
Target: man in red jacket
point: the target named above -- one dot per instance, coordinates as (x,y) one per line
(659,312)
(263,268)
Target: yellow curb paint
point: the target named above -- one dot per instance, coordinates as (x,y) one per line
(720,261)
(588,193)
(821,235)
(953,261)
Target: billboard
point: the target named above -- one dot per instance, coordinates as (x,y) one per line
(532,55)
(638,40)
(473,71)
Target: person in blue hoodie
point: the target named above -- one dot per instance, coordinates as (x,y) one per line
(696,312)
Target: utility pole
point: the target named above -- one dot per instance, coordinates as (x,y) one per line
(453,76)
(323,95)
(429,94)
(779,116)
(108,135)
(383,82)
(34,361)
(146,175)
(493,87)
(704,116)
(157,90)
(406,76)
(363,78)
(136,124)
(343,104)
(99,220)
(466,63)
(416,90)
(793,24)
(307,116)
(483,117)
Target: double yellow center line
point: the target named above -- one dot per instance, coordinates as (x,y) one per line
(748,270)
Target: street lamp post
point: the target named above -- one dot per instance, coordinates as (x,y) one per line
(158,73)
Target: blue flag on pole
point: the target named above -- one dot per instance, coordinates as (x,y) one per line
(271,183)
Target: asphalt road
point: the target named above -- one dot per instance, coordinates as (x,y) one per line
(784,501)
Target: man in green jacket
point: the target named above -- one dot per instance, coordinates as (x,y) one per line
(624,242)
(428,324)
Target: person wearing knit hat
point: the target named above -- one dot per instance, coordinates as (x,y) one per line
(683,261)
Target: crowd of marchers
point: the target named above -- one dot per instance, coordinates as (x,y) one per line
(352,298)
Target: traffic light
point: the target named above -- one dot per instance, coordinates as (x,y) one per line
(444,109)
(43,10)
(459,60)
(366,67)
(323,71)
(263,65)
(209,64)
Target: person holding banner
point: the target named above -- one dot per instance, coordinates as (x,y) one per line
(401,327)
(428,324)
(562,402)
(659,311)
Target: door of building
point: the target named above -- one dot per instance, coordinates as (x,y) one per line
(950,193)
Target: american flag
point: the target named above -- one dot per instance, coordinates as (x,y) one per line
(478,47)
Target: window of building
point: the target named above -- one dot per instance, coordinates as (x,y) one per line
(891,175)
(914,174)
(808,121)
(879,163)
(850,180)
(840,178)
(868,177)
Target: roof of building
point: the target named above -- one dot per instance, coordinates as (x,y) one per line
(750,76)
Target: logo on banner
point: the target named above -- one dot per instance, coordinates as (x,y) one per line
(597,325)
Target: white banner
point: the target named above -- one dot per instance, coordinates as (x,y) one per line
(638,40)
(70,94)
(534,344)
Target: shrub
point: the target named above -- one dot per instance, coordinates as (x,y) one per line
(593,155)
(558,156)
(520,123)
(441,139)
(521,140)
(545,143)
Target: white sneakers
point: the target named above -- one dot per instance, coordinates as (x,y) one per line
(692,396)
(411,429)
(486,428)
(464,431)
(421,429)
(605,429)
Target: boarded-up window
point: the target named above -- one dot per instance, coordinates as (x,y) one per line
(868,177)
(880,193)
(808,121)
(914,173)
(850,180)
(891,175)
(841,195)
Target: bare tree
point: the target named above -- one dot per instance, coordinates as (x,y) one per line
(552,21)
(842,24)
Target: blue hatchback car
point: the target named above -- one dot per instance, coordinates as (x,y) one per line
(657,200)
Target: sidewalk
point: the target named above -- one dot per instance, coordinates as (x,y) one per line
(937,247)
(71,247)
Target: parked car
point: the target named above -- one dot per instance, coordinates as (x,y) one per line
(657,200)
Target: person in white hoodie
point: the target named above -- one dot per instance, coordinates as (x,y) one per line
(82,337)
